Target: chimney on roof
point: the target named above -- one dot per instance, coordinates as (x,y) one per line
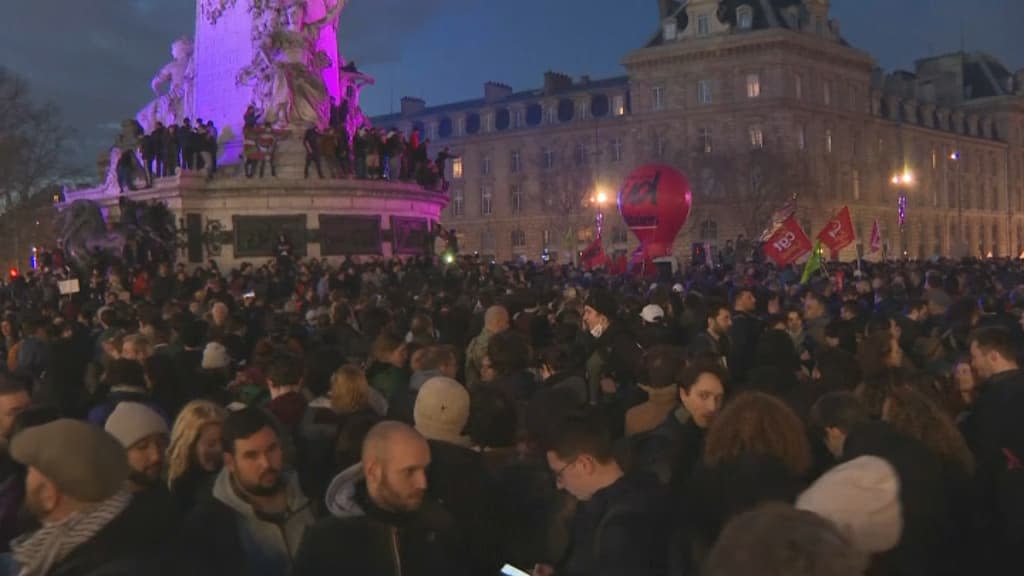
(556,82)
(412,106)
(494,91)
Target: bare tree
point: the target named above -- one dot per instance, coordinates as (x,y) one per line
(564,197)
(754,182)
(32,141)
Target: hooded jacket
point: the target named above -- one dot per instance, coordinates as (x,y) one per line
(362,538)
(226,535)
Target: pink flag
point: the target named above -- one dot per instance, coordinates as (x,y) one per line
(876,238)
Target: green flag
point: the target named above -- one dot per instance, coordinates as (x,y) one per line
(813,264)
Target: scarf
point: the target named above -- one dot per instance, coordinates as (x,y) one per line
(39,552)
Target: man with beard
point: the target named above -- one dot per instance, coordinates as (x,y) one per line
(144,435)
(715,338)
(258,513)
(382,523)
(90,522)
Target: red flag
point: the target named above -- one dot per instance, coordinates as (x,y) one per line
(838,232)
(876,239)
(788,243)
(593,256)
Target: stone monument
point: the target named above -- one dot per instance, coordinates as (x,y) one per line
(280,57)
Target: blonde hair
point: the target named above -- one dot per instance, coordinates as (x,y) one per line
(350,391)
(187,428)
(140,342)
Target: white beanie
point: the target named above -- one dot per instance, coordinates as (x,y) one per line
(862,498)
(442,410)
(215,355)
(133,421)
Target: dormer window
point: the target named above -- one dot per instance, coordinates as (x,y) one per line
(670,29)
(744,17)
(703,25)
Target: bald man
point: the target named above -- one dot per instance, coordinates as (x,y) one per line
(496,321)
(381,520)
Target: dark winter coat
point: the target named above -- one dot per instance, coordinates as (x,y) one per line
(361,538)
(621,531)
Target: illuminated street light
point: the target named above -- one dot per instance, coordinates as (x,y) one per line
(955,155)
(601,197)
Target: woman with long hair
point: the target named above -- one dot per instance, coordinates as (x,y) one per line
(914,414)
(195,455)
(756,451)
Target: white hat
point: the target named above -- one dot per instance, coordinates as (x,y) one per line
(215,355)
(134,421)
(652,313)
(677,288)
(442,410)
(862,498)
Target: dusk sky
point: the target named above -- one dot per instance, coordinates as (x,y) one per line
(94,59)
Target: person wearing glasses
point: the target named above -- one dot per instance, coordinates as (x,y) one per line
(621,527)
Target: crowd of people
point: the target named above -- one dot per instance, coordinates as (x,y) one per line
(370,153)
(166,148)
(414,417)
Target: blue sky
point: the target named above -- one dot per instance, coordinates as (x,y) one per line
(96,63)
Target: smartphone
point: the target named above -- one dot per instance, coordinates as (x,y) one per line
(510,570)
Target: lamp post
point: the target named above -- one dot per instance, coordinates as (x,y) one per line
(960,251)
(903,181)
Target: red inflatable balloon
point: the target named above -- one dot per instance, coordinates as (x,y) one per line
(655,202)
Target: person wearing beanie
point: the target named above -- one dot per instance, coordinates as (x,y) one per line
(457,476)
(215,357)
(76,488)
(143,433)
(861,497)
(613,355)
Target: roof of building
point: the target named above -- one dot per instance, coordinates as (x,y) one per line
(577,87)
(766,14)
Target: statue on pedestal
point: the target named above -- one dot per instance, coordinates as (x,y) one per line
(286,71)
(178,101)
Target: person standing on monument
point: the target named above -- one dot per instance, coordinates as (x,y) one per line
(311,142)
(442,163)
(266,142)
(211,145)
(171,150)
(157,138)
(185,145)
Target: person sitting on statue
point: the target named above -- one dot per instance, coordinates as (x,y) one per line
(311,142)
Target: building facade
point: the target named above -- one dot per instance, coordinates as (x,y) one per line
(757,102)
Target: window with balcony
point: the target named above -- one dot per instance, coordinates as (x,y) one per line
(756,137)
(753,85)
(658,98)
(744,18)
(458,202)
(516,198)
(704,140)
(486,200)
(619,105)
(703,25)
(518,238)
(704,92)
(616,146)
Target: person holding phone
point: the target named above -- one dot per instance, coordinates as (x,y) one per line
(621,526)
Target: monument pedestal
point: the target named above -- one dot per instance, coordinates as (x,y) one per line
(233,219)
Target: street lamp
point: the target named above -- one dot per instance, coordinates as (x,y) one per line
(902,181)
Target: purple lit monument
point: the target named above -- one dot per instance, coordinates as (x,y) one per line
(281,57)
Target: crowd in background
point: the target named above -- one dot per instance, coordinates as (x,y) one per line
(410,417)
